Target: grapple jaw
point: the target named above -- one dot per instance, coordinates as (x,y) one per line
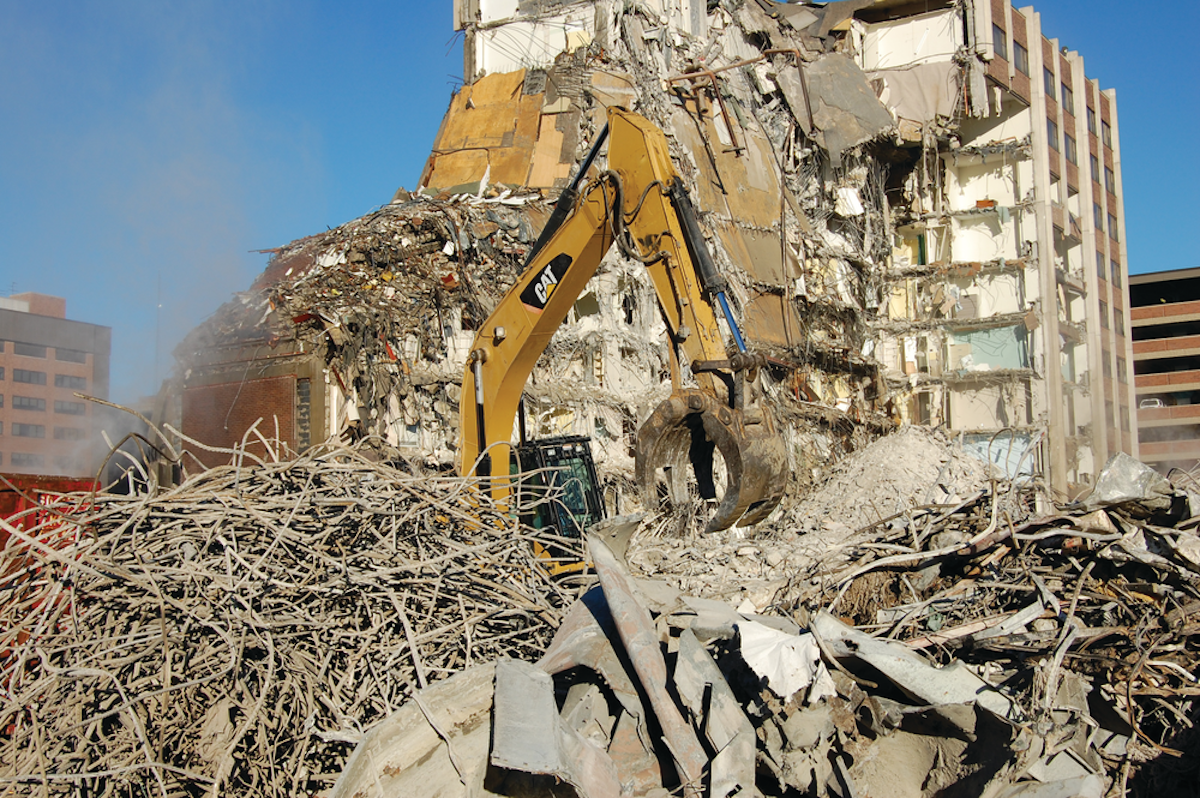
(687,428)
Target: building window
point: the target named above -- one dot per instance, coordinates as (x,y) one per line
(1110,180)
(1000,42)
(1,346)
(1069,149)
(70,355)
(29,377)
(29,460)
(1100,272)
(29,430)
(69,434)
(1106,134)
(1124,418)
(28,350)
(70,408)
(1104,324)
(1,373)
(1,400)
(1112,228)
(1098,216)
(1052,133)
(1021,58)
(1116,274)
(1119,320)
(1091,117)
(1107,369)
(1068,99)
(28,403)
(1048,80)
(67,381)
(1121,375)
(1095,168)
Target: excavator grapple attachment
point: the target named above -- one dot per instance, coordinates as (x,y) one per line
(692,424)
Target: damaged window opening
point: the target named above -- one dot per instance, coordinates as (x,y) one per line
(1000,42)
(628,308)
(1068,99)
(1052,134)
(1021,58)
(1069,149)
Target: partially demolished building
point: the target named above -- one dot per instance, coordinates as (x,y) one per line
(894,191)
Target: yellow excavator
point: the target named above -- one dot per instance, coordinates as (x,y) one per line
(639,204)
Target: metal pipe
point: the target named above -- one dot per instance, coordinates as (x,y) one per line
(737,334)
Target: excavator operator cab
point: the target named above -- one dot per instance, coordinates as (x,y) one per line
(559,484)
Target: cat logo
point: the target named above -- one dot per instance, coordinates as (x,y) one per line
(541,288)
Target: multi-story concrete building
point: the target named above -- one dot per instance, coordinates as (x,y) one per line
(45,359)
(1008,317)
(1166,357)
(917,205)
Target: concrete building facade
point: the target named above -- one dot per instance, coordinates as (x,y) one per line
(45,360)
(1165,309)
(918,208)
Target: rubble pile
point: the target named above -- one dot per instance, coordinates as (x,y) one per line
(966,652)
(913,471)
(236,634)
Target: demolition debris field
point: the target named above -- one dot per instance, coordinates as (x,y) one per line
(241,633)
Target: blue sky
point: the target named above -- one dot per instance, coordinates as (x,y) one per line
(147,147)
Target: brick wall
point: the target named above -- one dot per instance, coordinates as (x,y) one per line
(219,415)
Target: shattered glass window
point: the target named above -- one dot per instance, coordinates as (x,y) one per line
(1021,58)
(1052,134)
(1000,42)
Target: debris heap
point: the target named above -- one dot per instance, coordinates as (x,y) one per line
(235,635)
(968,650)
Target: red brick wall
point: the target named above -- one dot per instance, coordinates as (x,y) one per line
(219,415)
(44,304)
